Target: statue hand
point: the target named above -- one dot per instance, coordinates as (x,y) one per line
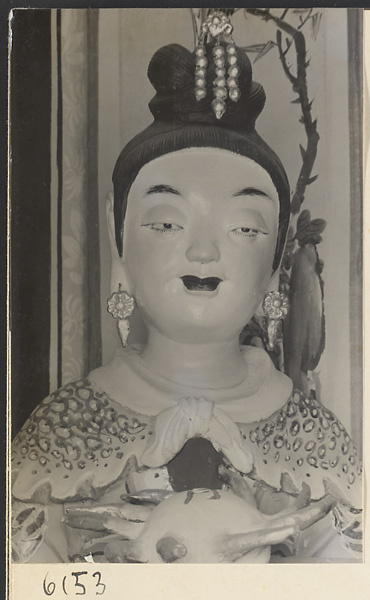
(112,521)
(169,535)
(124,519)
(285,510)
(192,526)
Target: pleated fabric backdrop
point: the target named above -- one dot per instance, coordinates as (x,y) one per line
(55,282)
(75,345)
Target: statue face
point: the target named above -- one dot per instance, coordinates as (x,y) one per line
(199,240)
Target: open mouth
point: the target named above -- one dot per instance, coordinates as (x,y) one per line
(195,284)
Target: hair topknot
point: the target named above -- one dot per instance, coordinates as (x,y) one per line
(171,69)
(171,72)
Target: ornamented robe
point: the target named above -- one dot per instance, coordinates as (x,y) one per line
(81,445)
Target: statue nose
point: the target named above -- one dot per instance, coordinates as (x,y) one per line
(203,250)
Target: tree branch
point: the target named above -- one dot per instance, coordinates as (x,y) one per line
(304,21)
(299,84)
(284,14)
(282,54)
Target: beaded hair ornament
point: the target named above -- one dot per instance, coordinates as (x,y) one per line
(217,27)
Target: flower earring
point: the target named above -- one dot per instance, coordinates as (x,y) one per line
(276,307)
(121,306)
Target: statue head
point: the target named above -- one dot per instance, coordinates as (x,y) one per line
(216,174)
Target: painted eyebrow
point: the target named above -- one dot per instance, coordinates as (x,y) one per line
(161,189)
(249,191)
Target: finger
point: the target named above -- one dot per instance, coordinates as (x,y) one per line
(287,484)
(122,551)
(239,544)
(128,511)
(100,542)
(304,497)
(97,545)
(306,516)
(149,496)
(104,524)
(238,484)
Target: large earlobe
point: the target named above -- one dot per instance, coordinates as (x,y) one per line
(272,286)
(118,269)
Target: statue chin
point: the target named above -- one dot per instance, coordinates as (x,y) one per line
(200,526)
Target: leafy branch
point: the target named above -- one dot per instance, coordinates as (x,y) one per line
(298,81)
(300,276)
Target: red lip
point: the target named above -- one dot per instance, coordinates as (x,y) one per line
(208,284)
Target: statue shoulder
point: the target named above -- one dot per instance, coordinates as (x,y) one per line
(307,441)
(74,445)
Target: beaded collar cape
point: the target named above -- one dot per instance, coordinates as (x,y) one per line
(79,441)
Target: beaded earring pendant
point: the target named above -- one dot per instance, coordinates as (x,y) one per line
(276,307)
(121,305)
(218,27)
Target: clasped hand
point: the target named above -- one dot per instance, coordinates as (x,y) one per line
(194,526)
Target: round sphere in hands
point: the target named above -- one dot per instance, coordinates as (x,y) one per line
(202,526)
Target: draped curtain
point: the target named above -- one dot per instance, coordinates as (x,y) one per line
(55,271)
(55,276)
(355,74)
(75,313)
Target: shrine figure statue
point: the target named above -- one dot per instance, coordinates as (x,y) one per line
(190,447)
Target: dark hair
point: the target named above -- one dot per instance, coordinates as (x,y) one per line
(180,121)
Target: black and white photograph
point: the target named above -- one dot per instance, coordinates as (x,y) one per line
(186,287)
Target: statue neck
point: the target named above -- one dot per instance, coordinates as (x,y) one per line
(128,381)
(205,366)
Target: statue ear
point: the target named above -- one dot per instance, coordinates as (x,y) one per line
(118,270)
(272,286)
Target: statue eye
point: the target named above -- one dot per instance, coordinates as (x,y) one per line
(164,227)
(246,232)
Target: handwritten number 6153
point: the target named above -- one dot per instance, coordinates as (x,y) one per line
(79,588)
